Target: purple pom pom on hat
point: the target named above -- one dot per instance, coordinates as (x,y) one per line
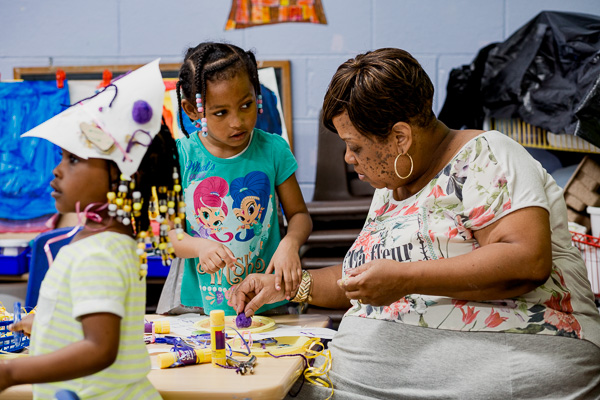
(142,112)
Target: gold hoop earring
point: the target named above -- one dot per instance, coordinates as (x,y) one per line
(396,168)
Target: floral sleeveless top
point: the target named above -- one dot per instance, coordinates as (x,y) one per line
(490,177)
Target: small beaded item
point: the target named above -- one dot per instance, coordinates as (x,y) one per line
(166,206)
(259,104)
(202,125)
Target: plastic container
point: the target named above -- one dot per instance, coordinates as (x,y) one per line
(13,256)
(7,342)
(590,251)
(155,267)
(595,218)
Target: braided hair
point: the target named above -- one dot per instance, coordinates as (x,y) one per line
(211,61)
(157,169)
(153,193)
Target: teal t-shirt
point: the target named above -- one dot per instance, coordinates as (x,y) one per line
(232,201)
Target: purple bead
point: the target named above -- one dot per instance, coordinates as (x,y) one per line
(242,321)
(142,112)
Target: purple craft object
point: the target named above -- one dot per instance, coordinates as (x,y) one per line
(242,321)
(142,112)
(148,327)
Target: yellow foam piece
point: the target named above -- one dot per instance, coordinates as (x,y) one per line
(259,324)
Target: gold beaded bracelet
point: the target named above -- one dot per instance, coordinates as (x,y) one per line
(305,288)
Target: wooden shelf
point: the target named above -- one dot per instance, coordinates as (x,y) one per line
(532,136)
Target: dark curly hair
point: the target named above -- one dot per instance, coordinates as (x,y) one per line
(378,89)
(212,61)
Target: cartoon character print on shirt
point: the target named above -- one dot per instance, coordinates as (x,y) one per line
(210,203)
(210,209)
(251,195)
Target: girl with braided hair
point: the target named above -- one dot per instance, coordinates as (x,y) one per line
(232,174)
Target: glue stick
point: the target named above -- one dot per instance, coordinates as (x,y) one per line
(184,357)
(162,326)
(217,337)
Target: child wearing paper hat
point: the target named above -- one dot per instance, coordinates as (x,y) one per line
(119,170)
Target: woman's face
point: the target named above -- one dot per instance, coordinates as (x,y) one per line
(373,159)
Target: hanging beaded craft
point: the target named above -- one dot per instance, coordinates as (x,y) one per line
(166,207)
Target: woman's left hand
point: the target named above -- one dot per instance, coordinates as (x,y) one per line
(378,282)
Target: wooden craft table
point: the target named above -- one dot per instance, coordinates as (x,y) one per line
(272,378)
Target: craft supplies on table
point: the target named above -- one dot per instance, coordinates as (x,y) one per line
(272,377)
(12,342)
(160,326)
(259,324)
(185,356)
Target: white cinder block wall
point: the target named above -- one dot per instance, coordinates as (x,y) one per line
(441,34)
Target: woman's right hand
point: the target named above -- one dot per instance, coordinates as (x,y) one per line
(212,256)
(254,291)
(23,325)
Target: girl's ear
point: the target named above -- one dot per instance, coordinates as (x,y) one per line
(190,109)
(402,134)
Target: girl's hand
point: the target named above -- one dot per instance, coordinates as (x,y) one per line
(378,282)
(23,325)
(213,256)
(254,291)
(286,263)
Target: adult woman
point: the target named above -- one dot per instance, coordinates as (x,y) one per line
(498,285)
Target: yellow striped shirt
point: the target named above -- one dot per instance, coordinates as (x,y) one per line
(97,274)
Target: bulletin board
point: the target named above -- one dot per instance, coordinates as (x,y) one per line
(281,68)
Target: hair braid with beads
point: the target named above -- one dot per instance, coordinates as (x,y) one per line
(212,61)
(154,193)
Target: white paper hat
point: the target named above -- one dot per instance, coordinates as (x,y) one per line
(117,124)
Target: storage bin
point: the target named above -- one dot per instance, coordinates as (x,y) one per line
(13,257)
(7,339)
(590,251)
(155,267)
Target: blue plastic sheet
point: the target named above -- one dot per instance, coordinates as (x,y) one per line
(26,164)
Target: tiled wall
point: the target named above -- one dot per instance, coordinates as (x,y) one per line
(441,34)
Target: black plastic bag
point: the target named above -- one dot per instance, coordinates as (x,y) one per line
(463,107)
(545,74)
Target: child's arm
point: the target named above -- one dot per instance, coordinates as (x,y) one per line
(95,352)
(286,260)
(212,255)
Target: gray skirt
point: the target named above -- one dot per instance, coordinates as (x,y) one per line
(374,359)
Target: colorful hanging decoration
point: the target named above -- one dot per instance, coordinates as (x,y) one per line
(248,13)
